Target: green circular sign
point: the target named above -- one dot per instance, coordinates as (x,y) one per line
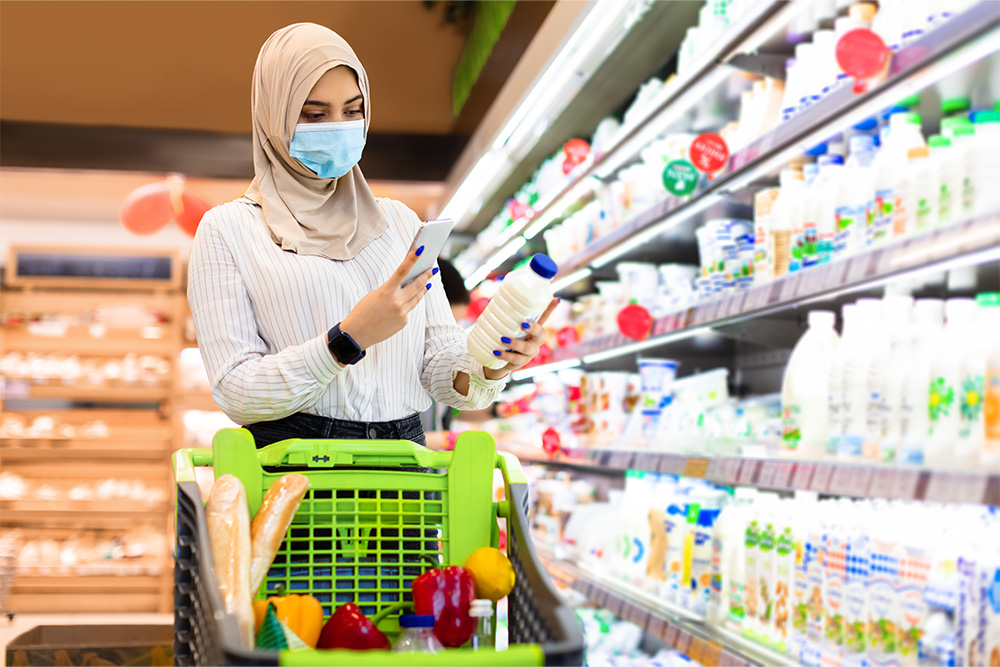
(680,178)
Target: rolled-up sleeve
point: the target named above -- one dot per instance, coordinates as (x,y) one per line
(248,384)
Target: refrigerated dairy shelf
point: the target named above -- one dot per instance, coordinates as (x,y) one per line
(962,41)
(836,478)
(972,243)
(677,627)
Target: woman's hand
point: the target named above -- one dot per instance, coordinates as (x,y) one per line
(519,352)
(383,312)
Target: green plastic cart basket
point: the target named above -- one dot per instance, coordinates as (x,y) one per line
(362,535)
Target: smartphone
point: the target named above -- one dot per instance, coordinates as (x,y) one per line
(432,236)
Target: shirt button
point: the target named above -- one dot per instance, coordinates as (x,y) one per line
(371,433)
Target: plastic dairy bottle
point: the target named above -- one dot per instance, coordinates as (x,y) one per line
(944,400)
(963,145)
(675,524)
(751,591)
(949,177)
(804,401)
(855,216)
(833,585)
(928,317)
(835,387)
(888,22)
(807,245)
(856,575)
(856,355)
(898,312)
(701,562)
(880,348)
(825,42)
(986,162)
(883,603)
(822,243)
(904,135)
(786,216)
(924,191)
(990,303)
(915,20)
(972,389)
(523,296)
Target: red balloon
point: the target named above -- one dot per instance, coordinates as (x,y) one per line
(147,209)
(635,322)
(195,209)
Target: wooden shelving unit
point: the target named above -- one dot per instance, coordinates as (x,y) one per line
(140,425)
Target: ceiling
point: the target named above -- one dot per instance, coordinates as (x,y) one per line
(187,65)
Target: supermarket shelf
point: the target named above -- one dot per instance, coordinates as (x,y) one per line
(675,626)
(138,393)
(859,480)
(972,243)
(681,93)
(78,340)
(116,448)
(122,575)
(54,513)
(962,41)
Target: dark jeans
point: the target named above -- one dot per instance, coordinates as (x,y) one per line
(302,425)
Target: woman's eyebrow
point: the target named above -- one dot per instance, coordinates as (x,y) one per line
(317,104)
(355,99)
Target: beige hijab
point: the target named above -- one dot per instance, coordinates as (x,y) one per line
(334,218)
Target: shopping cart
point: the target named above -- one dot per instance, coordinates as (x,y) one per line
(348,543)
(10,546)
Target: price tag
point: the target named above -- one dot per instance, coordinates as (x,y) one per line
(765,476)
(748,472)
(673,464)
(821,478)
(857,269)
(840,480)
(696,649)
(656,626)
(905,484)
(638,616)
(615,604)
(730,659)
(756,297)
(881,483)
(716,471)
(790,287)
(802,479)
(683,641)
(696,467)
(621,460)
(956,487)
(680,178)
(709,152)
(732,470)
(783,476)
(860,482)
(711,653)
(670,638)
(774,295)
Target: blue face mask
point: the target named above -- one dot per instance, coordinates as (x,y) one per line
(329,149)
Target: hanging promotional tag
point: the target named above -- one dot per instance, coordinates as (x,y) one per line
(709,152)
(680,178)
(861,54)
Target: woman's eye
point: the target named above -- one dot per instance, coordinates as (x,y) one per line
(313,117)
(354,113)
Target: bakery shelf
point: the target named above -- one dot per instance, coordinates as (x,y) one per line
(73,514)
(78,340)
(675,626)
(964,40)
(19,389)
(831,477)
(124,451)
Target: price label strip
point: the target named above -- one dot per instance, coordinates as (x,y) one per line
(748,472)
(696,467)
(790,287)
(905,484)
(673,464)
(802,478)
(882,483)
(732,471)
(716,471)
(956,487)
(783,475)
(821,478)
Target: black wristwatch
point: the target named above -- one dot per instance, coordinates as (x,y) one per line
(343,348)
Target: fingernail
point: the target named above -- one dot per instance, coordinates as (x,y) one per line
(435,271)
(504,339)
(525,325)
(420,251)
(496,353)
(428,285)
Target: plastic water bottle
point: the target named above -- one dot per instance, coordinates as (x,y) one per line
(418,635)
(482,638)
(523,296)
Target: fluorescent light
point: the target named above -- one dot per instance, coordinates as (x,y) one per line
(526,373)
(496,260)
(562,283)
(644,345)
(696,207)
(472,186)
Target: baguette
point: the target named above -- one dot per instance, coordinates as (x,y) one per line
(228,520)
(279,506)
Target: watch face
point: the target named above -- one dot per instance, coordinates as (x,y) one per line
(344,349)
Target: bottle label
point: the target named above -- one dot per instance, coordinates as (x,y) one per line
(882,219)
(878,416)
(972,397)
(991,405)
(791,426)
(847,218)
(941,400)
(810,243)
(945,203)
(924,211)
(968,194)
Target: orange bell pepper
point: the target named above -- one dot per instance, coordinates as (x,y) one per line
(303,615)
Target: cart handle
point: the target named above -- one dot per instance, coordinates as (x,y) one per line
(340,453)
(185,461)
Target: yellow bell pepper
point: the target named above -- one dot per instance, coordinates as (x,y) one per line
(303,615)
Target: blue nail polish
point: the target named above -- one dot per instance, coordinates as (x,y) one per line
(496,353)
(504,339)
(525,325)
(420,251)
(435,271)
(428,285)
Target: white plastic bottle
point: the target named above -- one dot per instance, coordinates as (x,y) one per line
(963,145)
(944,402)
(855,217)
(898,313)
(924,191)
(835,386)
(987,162)
(523,296)
(928,318)
(809,248)
(972,388)
(991,399)
(804,401)
(880,348)
(786,219)
(824,242)
(888,22)
(949,178)
(857,352)
(904,136)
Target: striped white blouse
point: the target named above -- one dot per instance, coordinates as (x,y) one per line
(261,315)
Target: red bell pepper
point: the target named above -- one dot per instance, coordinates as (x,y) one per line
(447,594)
(349,628)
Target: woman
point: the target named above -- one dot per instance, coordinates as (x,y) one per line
(296,288)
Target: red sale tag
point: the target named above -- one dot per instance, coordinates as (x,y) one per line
(709,152)
(861,54)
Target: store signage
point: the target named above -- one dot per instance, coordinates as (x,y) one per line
(68,266)
(680,178)
(861,54)
(709,152)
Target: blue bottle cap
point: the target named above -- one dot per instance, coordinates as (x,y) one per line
(544,266)
(416,621)
(867,125)
(817,150)
(825,160)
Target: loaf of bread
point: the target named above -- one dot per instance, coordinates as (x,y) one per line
(279,506)
(228,520)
